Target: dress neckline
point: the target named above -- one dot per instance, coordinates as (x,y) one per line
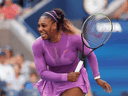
(58,41)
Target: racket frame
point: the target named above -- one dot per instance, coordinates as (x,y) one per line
(82,36)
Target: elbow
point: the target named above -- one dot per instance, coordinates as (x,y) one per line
(91,56)
(40,73)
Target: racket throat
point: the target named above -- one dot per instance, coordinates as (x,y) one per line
(83,56)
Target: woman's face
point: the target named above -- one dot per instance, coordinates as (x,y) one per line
(46,27)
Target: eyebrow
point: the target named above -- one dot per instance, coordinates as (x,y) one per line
(42,23)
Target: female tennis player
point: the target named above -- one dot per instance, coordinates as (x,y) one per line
(56,57)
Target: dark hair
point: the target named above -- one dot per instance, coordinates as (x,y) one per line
(64,24)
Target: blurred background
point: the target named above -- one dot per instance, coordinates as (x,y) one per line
(18,30)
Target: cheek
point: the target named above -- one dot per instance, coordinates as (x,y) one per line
(38,28)
(47,30)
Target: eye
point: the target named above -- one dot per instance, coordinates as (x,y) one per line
(38,25)
(43,25)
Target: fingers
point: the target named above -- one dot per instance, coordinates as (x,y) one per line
(108,87)
(76,75)
(73,76)
(104,87)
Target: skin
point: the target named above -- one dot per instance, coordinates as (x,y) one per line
(2,59)
(49,28)
(122,9)
(8,3)
(8,54)
(19,60)
(73,76)
(33,78)
(104,85)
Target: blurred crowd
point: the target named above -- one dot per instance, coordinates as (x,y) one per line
(122,12)
(11,9)
(16,73)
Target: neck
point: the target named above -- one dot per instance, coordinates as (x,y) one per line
(56,37)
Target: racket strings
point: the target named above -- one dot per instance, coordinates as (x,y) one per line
(103,37)
(91,39)
(93,42)
(96,34)
(94,39)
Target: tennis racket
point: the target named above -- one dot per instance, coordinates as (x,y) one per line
(96,31)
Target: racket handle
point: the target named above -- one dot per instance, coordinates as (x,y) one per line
(79,66)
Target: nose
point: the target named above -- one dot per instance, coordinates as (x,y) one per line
(40,29)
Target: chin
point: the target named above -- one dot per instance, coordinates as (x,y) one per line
(44,38)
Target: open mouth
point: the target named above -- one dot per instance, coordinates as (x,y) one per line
(42,33)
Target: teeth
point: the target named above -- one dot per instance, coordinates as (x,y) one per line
(42,33)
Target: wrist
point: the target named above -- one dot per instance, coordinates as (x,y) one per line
(97,77)
(64,77)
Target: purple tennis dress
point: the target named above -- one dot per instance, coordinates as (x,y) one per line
(54,61)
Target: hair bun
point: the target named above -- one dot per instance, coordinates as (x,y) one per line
(60,15)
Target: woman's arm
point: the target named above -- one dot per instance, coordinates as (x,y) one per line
(42,67)
(92,60)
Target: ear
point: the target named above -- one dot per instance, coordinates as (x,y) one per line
(54,26)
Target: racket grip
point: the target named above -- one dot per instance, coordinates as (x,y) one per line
(79,66)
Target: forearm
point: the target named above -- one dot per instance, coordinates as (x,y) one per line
(46,74)
(92,60)
(52,76)
(41,65)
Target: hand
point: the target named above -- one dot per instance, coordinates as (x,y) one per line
(73,76)
(104,85)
